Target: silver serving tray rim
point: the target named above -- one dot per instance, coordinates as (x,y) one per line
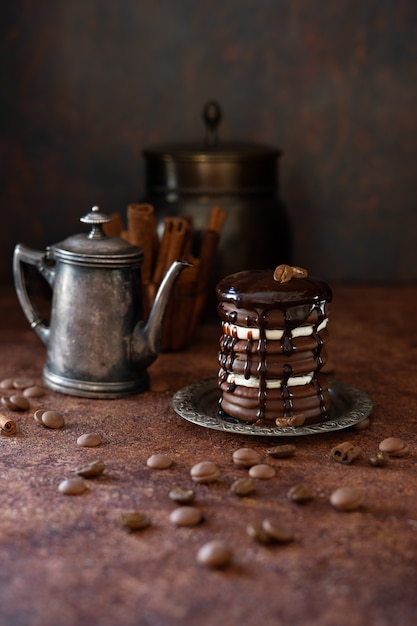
(198,403)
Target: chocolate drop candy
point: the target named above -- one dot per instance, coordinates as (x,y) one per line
(52,419)
(89,440)
(159,461)
(72,486)
(215,554)
(186,516)
(346,499)
(262,471)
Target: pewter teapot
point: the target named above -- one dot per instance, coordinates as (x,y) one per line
(98,344)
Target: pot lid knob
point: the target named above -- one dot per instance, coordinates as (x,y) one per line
(96,218)
(212,115)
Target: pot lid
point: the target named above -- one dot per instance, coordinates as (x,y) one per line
(95,247)
(211,149)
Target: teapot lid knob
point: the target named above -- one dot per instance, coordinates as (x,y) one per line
(212,115)
(96,219)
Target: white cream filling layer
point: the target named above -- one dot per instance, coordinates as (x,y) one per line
(253,381)
(242,332)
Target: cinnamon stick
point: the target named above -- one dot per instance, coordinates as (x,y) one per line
(217,219)
(125,235)
(114,228)
(208,253)
(207,257)
(163,251)
(7,426)
(171,248)
(209,245)
(142,229)
(178,328)
(188,238)
(189,294)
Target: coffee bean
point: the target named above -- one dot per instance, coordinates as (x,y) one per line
(262,471)
(135,521)
(256,531)
(181,496)
(52,419)
(246,457)
(293,421)
(216,554)
(205,472)
(186,516)
(159,461)
(277,530)
(345,452)
(34,392)
(23,383)
(95,468)
(89,440)
(380,459)
(300,493)
(243,486)
(72,486)
(15,403)
(297,420)
(346,499)
(393,446)
(281,452)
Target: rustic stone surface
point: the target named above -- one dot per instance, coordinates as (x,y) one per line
(69,560)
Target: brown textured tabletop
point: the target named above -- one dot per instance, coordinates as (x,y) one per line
(66,560)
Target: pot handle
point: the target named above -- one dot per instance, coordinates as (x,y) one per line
(23,254)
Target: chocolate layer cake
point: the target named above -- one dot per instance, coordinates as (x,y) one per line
(272,349)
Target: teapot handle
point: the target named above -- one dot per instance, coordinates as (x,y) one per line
(23,254)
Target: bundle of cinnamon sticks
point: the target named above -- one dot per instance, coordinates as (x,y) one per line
(189,294)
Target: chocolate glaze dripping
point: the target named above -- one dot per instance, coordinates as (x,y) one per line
(262,372)
(248,363)
(286,392)
(321,314)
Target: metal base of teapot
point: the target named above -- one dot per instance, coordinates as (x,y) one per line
(98,390)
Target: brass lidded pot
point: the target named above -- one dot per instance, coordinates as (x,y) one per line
(242,178)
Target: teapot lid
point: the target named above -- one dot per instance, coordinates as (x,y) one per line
(96,248)
(210,167)
(211,150)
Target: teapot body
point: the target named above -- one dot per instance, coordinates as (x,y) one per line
(94,313)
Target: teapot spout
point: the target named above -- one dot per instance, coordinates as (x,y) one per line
(147,337)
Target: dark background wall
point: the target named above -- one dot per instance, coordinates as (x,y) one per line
(87,84)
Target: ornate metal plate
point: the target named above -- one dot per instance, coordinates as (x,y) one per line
(198,403)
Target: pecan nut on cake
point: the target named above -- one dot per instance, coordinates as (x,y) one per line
(272,349)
